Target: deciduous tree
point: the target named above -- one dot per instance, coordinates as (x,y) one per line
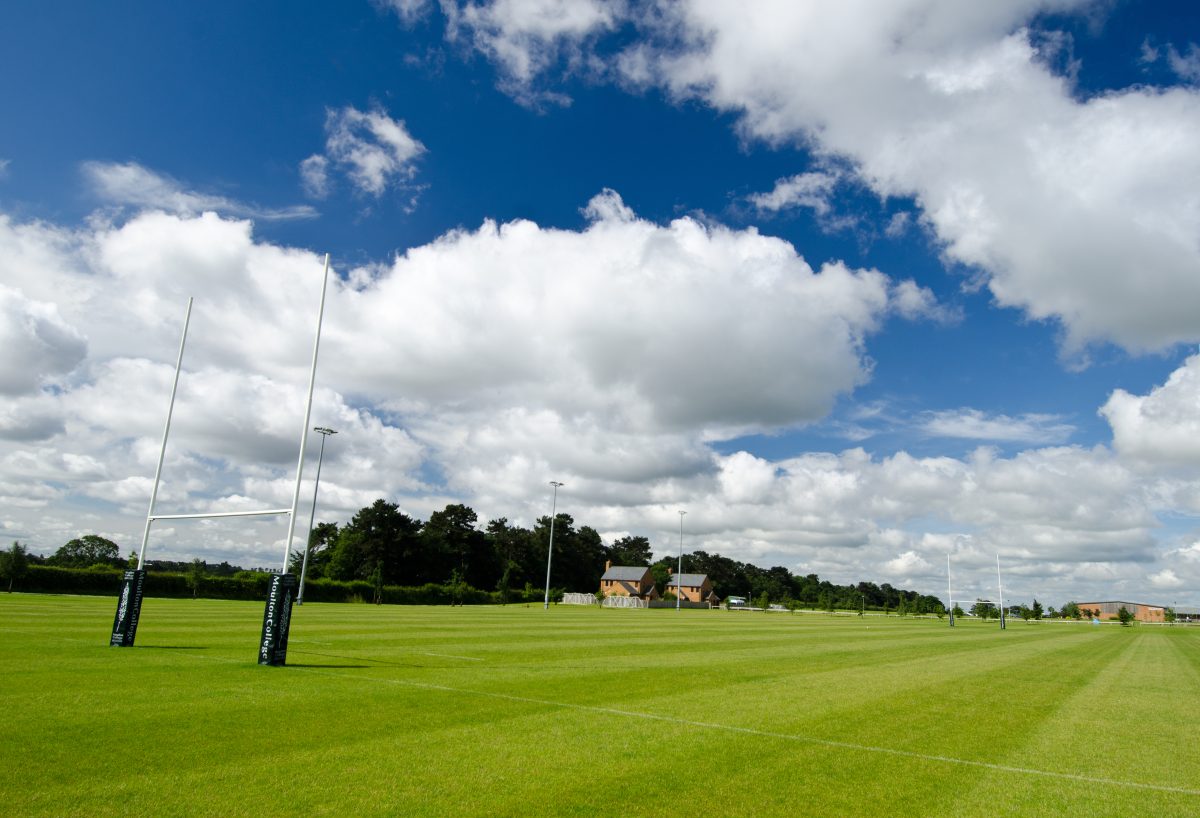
(14,564)
(86,551)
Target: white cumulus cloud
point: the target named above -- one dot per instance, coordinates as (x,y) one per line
(37,343)
(1077,211)
(1163,426)
(375,151)
(973,424)
(128,183)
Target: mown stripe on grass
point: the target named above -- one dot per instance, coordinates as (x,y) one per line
(729,728)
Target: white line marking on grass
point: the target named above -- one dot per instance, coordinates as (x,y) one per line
(750,731)
(451,656)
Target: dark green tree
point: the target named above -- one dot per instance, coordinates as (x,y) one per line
(377,584)
(1037,609)
(516,551)
(1071,611)
(195,576)
(630,550)
(380,536)
(1126,616)
(727,576)
(86,551)
(14,564)
(985,610)
(320,550)
(451,541)
(578,554)
(662,575)
(504,585)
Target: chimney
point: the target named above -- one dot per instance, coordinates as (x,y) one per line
(607,564)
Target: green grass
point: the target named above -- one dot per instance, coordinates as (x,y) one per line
(519,711)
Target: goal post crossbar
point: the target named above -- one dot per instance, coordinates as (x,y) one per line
(202,515)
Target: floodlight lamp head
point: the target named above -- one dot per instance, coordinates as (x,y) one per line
(325,430)
(556,484)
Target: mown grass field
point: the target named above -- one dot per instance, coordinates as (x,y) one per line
(516,711)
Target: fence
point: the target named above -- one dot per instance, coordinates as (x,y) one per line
(618,601)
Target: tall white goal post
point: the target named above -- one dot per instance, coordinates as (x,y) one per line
(282,592)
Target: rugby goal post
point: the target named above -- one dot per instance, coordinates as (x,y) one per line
(281,595)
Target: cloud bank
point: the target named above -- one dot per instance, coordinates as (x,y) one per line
(475,368)
(1079,211)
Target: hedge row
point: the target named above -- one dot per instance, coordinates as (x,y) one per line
(48,579)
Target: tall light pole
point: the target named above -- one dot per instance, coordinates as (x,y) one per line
(550,550)
(679,570)
(949,590)
(1000,585)
(324,432)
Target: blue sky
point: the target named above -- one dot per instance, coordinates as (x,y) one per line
(858,287)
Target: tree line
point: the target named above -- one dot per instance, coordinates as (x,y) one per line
(384,546)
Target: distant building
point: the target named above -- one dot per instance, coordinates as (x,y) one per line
(693,588)
(1187,614)
(628,580)
(1110,610)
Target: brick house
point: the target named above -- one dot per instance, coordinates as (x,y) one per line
(628,580)
(693,588)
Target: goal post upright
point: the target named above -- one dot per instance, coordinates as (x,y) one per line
(282,591)
(187,320)
(129,606)
(312,378)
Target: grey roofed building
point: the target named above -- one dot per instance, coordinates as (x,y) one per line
(628,580)
(693,588)
(625,573)
(687,580)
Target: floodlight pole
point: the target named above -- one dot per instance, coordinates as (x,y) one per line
(949,590)
(679,570)
(1000,585)
(312,377)
(324,432)
(187,319)
(550,550)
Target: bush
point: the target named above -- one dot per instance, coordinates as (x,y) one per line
(51,579)
(253,585)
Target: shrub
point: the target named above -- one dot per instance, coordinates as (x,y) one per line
(253,585)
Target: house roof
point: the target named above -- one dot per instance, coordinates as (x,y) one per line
(689,580)
(625,573)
